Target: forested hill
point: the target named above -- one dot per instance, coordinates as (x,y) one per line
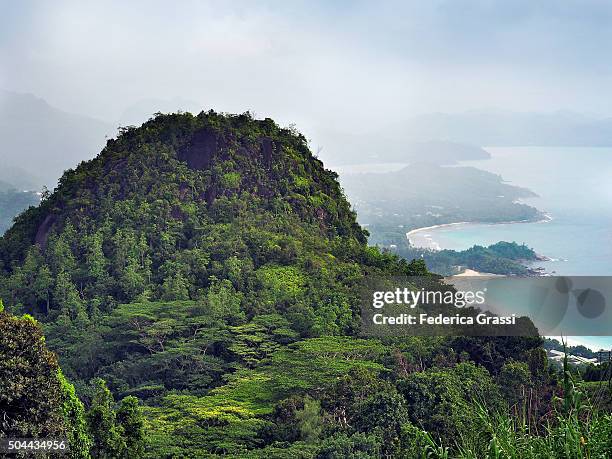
(138,220)
(210,266)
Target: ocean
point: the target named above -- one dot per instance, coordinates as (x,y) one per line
(574,187)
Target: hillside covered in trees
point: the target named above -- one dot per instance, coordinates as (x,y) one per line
(204,273)
(504,258)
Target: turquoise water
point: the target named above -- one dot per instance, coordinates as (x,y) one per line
(575,188)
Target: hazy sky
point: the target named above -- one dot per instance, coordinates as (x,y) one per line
(311,63)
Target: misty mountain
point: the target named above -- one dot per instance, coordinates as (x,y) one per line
(425,194)
(445,138)
(505,128)
(43,140)
(6,186)
(14,177)
(12,203)
(400,151)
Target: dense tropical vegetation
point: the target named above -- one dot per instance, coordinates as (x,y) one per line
(507,258)
(37,401)
(199,282)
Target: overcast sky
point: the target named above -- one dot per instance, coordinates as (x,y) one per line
(311,63)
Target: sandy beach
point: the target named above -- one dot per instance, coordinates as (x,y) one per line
(420,237)
(472,273)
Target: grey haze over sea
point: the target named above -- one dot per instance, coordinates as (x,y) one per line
(574,186)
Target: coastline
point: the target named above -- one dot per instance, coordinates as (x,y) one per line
(423,240)
(432,245)
(467,272)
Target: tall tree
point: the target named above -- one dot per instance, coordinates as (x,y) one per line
(108,442)
(36,400)
(30,396)
(129,417)
(74,414)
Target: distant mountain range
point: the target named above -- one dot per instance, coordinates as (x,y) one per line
(505,128)
(14,177)
(444,138)
(38,141)
(43,140)
(12,203)
(432,151)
